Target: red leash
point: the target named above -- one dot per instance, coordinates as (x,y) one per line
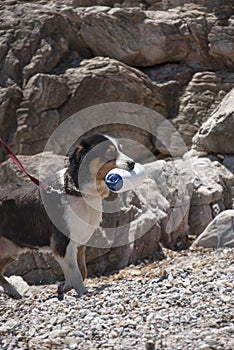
(20,165)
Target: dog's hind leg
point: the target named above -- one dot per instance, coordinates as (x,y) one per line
(8,253)
(72,274)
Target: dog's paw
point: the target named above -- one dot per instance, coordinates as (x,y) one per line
(12,292)
(81,291)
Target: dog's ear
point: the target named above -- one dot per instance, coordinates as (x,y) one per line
(76,155)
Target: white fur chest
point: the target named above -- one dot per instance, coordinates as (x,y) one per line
(83,216)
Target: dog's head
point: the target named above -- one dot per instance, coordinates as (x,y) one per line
(92,159)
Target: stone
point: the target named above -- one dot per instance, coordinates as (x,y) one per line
(45,91)
(216,134)
(48,100)
(219,233)
(9,101)
(202,96)
(18,282)
(221,42)
(229,163)
(43,56)
(10,173)
(152,38)
(36,268)
(120,82)
(37,43)
(212,191)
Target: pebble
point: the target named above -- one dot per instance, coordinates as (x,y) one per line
(192,308)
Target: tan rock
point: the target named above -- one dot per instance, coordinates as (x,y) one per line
(45,91)
(151,38)
(202,95)
(219,233)
(49,99)
(212,192)
(216,134)
(9,101)
(221,42)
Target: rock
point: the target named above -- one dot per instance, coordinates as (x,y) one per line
(10,173)
(215,135)
(45,91)
(229,163)
(172,77)
(18,282)
(36,44)
(221,44)
(179,197)
(43,109)
(219,233)
(203,94)
(43,56)
(155,37)
(212,192)
(9,102)
(152,37)
(36,268)
(120,83)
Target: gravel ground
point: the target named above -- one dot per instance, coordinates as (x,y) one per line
(185,301)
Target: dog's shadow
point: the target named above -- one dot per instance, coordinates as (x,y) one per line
(102,288)
(95,291)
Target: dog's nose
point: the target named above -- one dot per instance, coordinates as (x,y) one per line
(131,165)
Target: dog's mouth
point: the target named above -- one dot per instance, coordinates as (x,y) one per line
(102,188)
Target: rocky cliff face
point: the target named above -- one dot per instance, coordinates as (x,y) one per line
(174,57)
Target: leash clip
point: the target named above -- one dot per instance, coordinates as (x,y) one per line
(61,193)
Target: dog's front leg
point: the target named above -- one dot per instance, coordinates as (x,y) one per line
(82,261)
(72,274)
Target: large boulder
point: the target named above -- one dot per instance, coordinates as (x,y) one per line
(212,192)
(155,37)
(151,37)
(43,43)
(219,233)
(202,96)
(38,42)
(50,99)
(216,134)
(9,102)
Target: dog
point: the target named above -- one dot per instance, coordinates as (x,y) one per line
(24,222)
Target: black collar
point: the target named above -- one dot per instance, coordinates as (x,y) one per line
(70,187)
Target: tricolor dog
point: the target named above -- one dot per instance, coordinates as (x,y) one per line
(24,223)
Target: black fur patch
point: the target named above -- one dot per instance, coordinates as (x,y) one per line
(24,220)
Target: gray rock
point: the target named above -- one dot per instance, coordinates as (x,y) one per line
(212,191)
(9,101)
(202,96)
(216,134)
(145,41)
(229,163)
(18,282)
(219,233)
(48,100)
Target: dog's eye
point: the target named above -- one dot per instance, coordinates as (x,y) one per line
(110,151)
